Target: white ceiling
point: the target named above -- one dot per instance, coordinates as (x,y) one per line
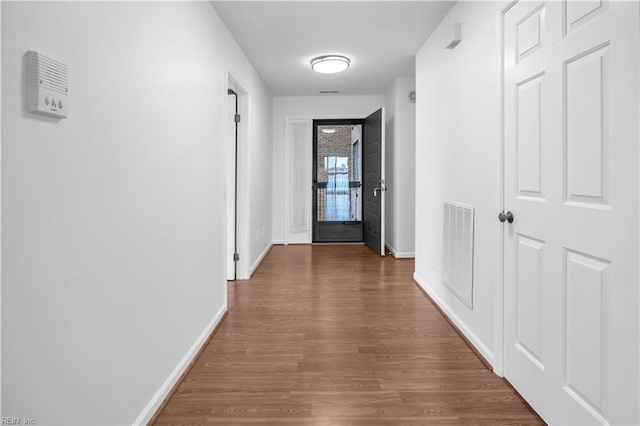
(381,38)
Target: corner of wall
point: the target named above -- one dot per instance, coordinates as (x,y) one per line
(451,314)
(260,258)
(455,159)
(164,392)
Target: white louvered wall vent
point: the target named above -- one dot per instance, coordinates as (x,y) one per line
(457,255)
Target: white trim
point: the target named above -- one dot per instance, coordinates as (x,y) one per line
(157,400)
(403,255)
(0,217)
(383,177)
(450,313)
(260,259)
(287,186)
(498,364)
(279,243)
(243,242)
(298,239)
(230,190)
(324,117)
(398,254)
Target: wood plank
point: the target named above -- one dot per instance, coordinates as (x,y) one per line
(336,335)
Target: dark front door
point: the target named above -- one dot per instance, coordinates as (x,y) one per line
(373,186)
(337,174)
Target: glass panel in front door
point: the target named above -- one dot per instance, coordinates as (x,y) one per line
(339,176)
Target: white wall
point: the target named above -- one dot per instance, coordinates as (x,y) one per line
(311,107)
(260,171)
(1,412)
(113,231)
(458,159)
(400,168)
(391,106)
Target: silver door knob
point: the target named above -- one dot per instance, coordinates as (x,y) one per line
(508,217)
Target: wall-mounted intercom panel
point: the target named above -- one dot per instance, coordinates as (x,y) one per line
(47,86)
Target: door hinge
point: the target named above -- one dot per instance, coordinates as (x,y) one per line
(236,257)
(236,118)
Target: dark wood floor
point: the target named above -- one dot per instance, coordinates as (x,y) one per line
(335,335)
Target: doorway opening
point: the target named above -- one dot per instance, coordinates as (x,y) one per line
(337,180)
(232,119)
(235,130)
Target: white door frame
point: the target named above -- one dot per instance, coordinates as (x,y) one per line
(498,360)
(308,237)
(639,218)
(230,144)
(243,174)
(383,182)
(0,226)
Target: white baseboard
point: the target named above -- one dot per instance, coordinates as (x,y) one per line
(475,341)
(279,242)
(260,259)
(400,255)
(157,400)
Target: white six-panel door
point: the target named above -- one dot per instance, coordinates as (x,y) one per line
(570,117)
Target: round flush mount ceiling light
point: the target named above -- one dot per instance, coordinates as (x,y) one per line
(330,64)
(329,131)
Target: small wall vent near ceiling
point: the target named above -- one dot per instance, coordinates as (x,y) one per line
(325,92)
(457,254)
